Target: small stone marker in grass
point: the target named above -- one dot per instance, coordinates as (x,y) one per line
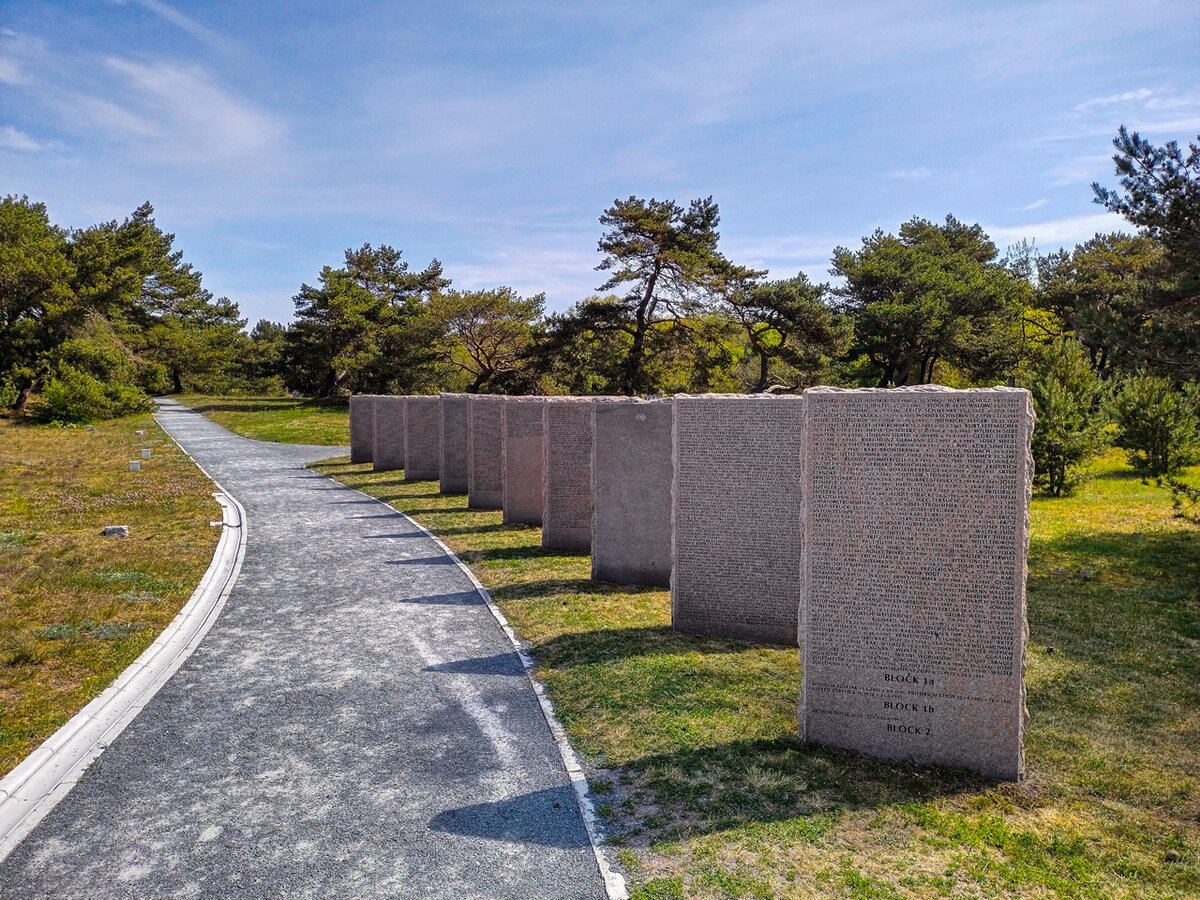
(523,482)
(135,465)
(115,531)
(631,492)
(145,451)
(387,451)
(916,522)
(422,438)
(485,478)
(455,466)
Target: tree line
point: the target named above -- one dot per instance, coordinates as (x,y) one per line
(94,320)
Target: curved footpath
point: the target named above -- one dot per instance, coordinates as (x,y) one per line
(355,724)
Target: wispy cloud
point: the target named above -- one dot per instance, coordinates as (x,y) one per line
(12,139)
(190,116)
(10,71)
(1036,204)
(918,172)
(185,23)
(566,273)
(1115,99)
(1059,232)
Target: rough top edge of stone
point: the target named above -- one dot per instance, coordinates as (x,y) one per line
(915,389)
(598,398)
(452,395)
(526,398)
(486,398)
(424,398)
(779,397)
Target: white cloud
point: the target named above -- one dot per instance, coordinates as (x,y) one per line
(192,116)
(1036,204)
(10,71)
(12,139)
(1059,232)
(566,273)
(1082,169)
(185,23)
(918,172)
(1116,99)
(786,252)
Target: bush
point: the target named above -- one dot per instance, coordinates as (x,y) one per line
(74,396)
(1158,425)
(1071,419)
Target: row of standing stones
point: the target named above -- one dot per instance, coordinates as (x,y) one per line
(884,532)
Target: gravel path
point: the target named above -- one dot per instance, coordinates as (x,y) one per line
(355,725)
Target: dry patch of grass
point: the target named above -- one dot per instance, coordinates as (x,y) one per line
(708,794)
(77,608)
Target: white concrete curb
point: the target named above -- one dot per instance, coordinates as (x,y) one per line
(47,775)
(614,882)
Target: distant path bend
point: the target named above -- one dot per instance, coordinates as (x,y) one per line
(355,724)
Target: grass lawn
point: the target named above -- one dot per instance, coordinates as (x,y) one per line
(77,608)
(281,419)
(708,793)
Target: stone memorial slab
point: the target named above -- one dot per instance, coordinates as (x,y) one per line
(422,438)
(523,488)
(362,427)
(567,472)
(455,467)
(485,478)
(916,511)
(631,492)
(736,499)
(388,448)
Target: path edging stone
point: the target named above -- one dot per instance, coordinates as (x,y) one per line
(614,882)
(31,790)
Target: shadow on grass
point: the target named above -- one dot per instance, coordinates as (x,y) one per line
(548,587)
(588,648)
(521,553)
(798,787)
(471,529)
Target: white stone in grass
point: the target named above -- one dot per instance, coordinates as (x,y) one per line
(135,465)
(115,531)
(145,453)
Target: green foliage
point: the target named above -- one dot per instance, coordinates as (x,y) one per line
(1099,292)
(1071,424)
(932,294)
(1157,424)
(1160,193)
(71,395)
(96,317)
(366,327)
(486,333)
(791,327)
(665,257)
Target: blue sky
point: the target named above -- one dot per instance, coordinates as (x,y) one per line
(271,135)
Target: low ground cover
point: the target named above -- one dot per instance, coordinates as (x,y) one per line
(708,793)
(77,608)
(285,420)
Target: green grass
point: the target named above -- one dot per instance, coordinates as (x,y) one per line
(77,608)
(281,419)
(708,793)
